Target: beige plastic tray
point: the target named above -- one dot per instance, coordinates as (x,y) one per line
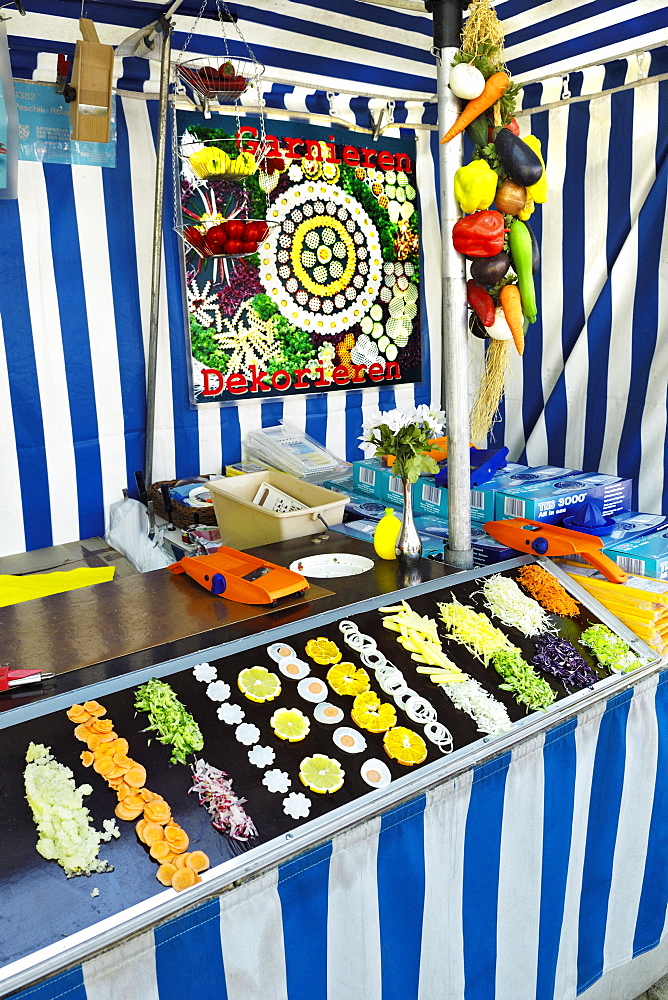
(244,524)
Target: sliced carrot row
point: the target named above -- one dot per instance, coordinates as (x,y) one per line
(107,754)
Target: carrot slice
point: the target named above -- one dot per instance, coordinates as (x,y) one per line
(93,741)
(165,874)
(181,861)
(183,878)
(159,850)
(153,832)
(139,829)
(136,776)
(121,745)
(147,794)
(102,726)
(177,837)
(77,714)
(124,790)
(126,812)
(198,861)
(156,810)
(94,708)
(103,765)
(86,758)
(122,760)
(81,733)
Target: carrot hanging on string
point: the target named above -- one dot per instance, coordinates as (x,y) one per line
(495,87)
(510,299)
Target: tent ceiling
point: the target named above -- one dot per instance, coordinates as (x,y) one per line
(360,44)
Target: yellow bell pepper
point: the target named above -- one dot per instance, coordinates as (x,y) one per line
(475,186)
(528,210)
(538,191)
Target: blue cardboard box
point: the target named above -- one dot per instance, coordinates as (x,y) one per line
(552,501)
(369,476)
(644,556)
(364,530)
(628,525)
(483,500)
(486,550)
(431,499)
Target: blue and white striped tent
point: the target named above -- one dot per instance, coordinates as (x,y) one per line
(74,282)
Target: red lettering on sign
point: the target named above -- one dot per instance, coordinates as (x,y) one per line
(351,156)
(331,151)
(313,150)
(257,383)
(237,384)
(369,155)
(340,376)
(320,372)
(358,375)
(300,373)
(291,148)
(213,382)
(376,372)
(390,368)
(283,375)
(385,160)
(402,161)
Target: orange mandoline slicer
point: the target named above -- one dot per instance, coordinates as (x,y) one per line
(549,540)
(240,577)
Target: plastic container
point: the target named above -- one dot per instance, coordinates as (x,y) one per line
(244,524)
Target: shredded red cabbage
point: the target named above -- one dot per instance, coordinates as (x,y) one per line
(561,659)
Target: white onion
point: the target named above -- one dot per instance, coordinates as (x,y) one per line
(466,81)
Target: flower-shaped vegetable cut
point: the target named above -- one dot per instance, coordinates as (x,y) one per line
(290,724)
(231,714)
(297,805)
(369,712)
(261,756)
(277,781)
(346,678)
(218,691)
(405,746)
(247,733)
(259,684)
(204,672)
(323,650)
(321,774)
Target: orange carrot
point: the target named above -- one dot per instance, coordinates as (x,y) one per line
(165,874)
(183,878)
(198,861)
(495,87)
(510,299)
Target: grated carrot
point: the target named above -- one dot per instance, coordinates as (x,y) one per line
(548,591)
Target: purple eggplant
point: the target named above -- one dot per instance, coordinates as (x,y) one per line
(490,270)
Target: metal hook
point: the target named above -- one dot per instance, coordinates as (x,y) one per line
(565,90)
(643,59)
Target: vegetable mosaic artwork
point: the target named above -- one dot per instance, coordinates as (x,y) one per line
(169,719)
(497,191)
(331,283)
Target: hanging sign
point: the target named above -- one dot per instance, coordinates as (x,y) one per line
(330,299)
(45,133)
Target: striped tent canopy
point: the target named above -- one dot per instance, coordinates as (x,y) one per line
(74,303)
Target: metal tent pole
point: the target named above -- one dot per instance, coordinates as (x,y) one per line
(447,17)
(156,266)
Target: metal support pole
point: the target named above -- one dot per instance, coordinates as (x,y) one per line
(447,16)
(156,265)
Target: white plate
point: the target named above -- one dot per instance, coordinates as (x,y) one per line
(332,564)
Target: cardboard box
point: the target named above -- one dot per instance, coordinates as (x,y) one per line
(365,529)
(486,550)
(431,499)
(367,477)
(552,501)
(644,556)
(628,525)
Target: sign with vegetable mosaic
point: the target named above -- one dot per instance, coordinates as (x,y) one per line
(302,257)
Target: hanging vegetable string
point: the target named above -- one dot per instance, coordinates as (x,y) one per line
(476,633)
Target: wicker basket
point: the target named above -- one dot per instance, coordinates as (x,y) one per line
(182,516)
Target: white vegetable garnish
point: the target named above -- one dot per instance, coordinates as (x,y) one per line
(66,834)
(204,672)
(247,733)
(218,691)
(297,805)
(231,714)
(277,781)
(510,605)
(261,756)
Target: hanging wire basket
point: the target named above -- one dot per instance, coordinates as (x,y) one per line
(207,159)
(225,238)
(224,81)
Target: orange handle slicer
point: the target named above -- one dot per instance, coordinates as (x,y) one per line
(241,577)
(549,540)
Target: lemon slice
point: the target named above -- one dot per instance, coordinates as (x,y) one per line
(321,774)
(369,712)
(259,684)
(290,724)
(405,746)
(323,650)
(346,678)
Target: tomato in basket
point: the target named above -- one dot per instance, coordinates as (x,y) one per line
(216,238)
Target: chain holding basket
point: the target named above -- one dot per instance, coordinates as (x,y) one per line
(214,234)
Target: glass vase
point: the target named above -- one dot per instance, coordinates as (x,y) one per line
(409,546)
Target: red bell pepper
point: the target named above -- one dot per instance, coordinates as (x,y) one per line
(481,302)
(479,235)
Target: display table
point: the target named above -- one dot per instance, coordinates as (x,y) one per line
(524,865)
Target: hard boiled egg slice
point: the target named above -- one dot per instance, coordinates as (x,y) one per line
(279,650)
(349,740)
(327,713)
(293,667)
(376,773)
(312,689)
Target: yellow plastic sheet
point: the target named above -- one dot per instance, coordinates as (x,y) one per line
(16,589)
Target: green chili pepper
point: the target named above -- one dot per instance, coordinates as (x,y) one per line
(521,248)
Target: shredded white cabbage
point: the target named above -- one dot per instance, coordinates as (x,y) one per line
(66,833)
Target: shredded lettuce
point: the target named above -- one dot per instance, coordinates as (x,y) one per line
(169,719)
(66,833)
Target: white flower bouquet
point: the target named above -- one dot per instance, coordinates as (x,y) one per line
(405,434)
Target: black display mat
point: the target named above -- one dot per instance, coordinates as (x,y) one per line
(41,906)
